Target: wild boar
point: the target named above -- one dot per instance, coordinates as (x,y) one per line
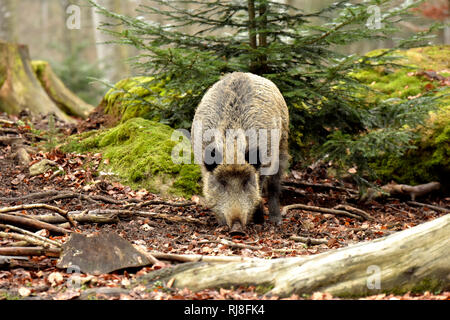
(240,137)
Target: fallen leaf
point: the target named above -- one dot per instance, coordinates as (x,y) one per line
(24,292)
(55,278)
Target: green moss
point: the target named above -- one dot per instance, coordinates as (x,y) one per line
(390,82)
(429,161)
(138,97)
(39,67)
(139,153)
(264,288)
(431,285)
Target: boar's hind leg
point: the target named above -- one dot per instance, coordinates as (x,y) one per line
(258,216)
(274,191)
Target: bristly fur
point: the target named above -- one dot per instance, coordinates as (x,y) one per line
(242,101)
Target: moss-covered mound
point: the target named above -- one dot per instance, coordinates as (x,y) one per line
(142,97)
(429,69)
(139,154)
(425,69)
(430,161)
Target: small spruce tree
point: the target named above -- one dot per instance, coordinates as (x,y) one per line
(299,52)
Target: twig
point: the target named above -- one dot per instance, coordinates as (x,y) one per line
(32,223)
(106,199)
(6,121)
(10,140)
(18,244)
(31,234)
(80,217)
(62,212)
(319,209)
(125,213)
(36,195)
(198,257)
(156,202)
(10,130)
(317,185)
(29,251)
(52,195)
(357,211)
(236,245)
(96,216)
(294,190)
(67,195)
(149,255)
(308,240)
(18,262)
(393,188)
(419,204)
(23,237)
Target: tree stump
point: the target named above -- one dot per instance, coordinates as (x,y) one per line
(21,89)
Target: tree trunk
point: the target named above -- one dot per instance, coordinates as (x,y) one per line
(263,37)
(252,32)
(106,53)
(415,259)
(65,99)
(20,88)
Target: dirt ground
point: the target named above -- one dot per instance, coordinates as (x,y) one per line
(37,277)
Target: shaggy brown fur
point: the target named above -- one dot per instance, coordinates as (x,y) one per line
(233,189)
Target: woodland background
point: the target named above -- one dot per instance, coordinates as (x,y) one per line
(75,54)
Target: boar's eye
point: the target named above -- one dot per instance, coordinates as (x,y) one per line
(212,158)
(223,182)
(252,157)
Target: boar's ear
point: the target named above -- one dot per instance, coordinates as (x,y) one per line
(252,157)
(212,159)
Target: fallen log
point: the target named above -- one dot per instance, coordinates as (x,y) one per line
(414,259)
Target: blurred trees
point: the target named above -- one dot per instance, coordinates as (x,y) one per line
(8,20)
(41,24)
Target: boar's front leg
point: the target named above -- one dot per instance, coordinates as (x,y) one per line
(258,216)
(273,192)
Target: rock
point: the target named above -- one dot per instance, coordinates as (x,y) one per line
(22,157)
(100,253)
(42,167)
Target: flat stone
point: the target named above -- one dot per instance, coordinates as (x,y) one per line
(100,253)
(42,167)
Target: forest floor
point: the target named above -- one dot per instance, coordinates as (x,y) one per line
(196,232)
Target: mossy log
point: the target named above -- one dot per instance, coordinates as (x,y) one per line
(416,259)
(21,89)
(65,99)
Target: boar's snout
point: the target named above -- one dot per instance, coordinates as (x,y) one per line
(237,229)
(235,221)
